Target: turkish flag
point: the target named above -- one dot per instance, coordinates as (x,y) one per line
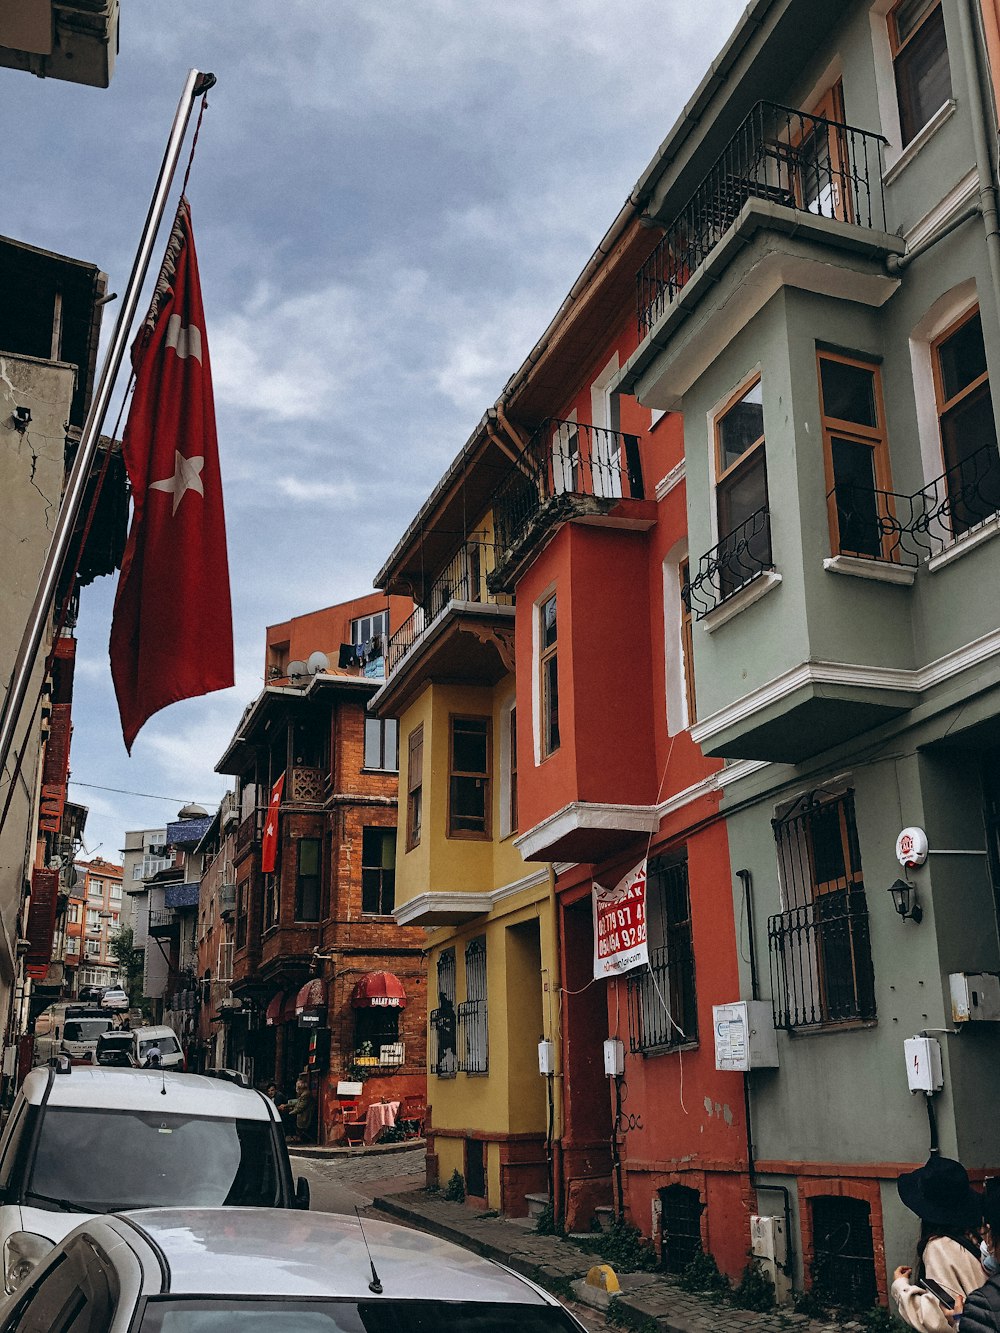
(269,843)
(172,631)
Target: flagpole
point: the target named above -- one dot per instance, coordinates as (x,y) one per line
(196,84)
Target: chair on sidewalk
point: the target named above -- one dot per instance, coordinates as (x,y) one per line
(411,1117)
(350,1114)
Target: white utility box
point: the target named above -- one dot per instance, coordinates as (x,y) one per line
(975,997)
(769,1246)
(546,1057)
(614,1057)
(744,1035)
(923,1064)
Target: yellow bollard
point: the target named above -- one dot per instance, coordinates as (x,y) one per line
(603,1276)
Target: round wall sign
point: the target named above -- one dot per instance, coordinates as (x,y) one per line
(911,847)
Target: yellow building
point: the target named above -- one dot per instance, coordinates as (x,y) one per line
(492,957)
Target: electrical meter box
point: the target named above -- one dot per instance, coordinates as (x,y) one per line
(614,1057)
(744,1035)
(769,1246)
(923,1064)
(975,997)
(546,1057)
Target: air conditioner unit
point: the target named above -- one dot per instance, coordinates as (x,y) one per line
(74,40)
(769,1246)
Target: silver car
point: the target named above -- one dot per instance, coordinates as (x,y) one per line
(179,1270)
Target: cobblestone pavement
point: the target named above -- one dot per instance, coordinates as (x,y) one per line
(337,1184)
(554,1263)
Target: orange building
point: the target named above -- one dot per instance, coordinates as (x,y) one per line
(93,917)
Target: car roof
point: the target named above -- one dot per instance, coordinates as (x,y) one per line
(108,1088)
(267,1251)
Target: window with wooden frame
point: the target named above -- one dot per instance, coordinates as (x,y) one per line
(307,880)
(919,61)
(378,871)
(744,548)
(687,643)
(469,785)
(548,672)
(822,170)
(381,744)
(856,456)
(512,796)
(967,423)
(414,786)
(662,1000)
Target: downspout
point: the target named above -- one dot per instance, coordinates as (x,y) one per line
(981,133)
(895,264)
(558,1211)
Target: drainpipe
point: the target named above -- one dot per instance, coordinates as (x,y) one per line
(982,130)
(895,264)
(556,1157)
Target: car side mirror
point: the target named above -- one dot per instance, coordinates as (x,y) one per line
(302,1194)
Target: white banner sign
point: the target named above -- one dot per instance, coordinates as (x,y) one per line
(620,925)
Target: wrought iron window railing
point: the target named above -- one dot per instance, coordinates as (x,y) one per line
(731,564)
(661,1007)
(780,156)
(462,580)
(564,459)
(472,1037)
(820,946)
(163,918)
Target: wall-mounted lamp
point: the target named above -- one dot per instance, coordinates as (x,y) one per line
(904,900)
(22,418)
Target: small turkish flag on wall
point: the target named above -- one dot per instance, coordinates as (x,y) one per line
(172,632)
(269,843)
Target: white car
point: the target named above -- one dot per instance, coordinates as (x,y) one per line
(179,1270)
(114,998)
(97,1140)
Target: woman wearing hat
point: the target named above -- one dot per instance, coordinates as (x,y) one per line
(951,1213)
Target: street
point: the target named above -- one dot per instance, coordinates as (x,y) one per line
(339,1184)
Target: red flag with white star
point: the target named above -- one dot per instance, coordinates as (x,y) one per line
(172,632)
(269,842)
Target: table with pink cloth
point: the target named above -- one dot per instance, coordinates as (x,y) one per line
(380,1115)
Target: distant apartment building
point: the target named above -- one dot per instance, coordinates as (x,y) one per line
(93,917)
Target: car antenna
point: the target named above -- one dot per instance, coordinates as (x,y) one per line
(374,1285)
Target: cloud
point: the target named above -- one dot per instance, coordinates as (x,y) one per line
(340,493)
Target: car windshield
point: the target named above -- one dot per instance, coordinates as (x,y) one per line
(149,1159)
(165,1045)
(271,1315)
(85,1029)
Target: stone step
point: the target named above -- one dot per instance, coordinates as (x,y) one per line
(605,1216)
(537,1203)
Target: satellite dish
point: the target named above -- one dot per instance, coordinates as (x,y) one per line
(296,669)
(317,662)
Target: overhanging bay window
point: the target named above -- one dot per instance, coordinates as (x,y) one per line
(819,945)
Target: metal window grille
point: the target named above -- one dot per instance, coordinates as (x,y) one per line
(472,1018)
(444,1018)
(843,1253)
(819,947)
(661,998)
(224,968)
(680,1227)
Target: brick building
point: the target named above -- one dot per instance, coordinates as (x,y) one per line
(327,981)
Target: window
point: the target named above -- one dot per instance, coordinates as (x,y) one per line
(270,902)
(549,676)
(382,744)
(443,1018)
(661,998)
(115,891)
(508,769)
(469,777)
(473,1032)
(307,880)
(843,1251)
(967,424)
(95,889)
(73,913)
(687,642)
(512,794)
(378,870)
(93,918)
(821,967)
(920,63)
(856,458)
(744,548)
(566,458)
(376,1035)
(414,786)
(820,156)
(370,627)
(242,913)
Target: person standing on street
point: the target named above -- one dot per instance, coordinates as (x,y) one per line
(981,1312)
(951,1213)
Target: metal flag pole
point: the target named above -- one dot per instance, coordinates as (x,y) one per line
(197,83)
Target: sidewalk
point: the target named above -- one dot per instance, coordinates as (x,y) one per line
(337,1152)
(555,1263)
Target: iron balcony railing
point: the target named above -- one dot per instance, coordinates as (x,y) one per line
(564,459)
(780,156)
(821,966)
(162,919)
(732,563)
(473,1044)
(462,580)
(661,1003)
(907,529)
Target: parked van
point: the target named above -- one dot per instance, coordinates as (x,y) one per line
(163,1040)
(71,1029)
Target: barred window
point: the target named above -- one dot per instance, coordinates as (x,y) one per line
(843,1252)
(661,998)
(680,1227)
(473,1032)
(444,1018)
(819,946)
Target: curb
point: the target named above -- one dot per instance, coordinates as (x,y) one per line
(343,1154)
(387,1204)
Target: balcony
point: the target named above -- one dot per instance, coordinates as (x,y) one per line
(567,470)
(249,833)
(305,785)
(163,921)
(736,561)
(779,156)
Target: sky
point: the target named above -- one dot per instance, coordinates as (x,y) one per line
(390,199)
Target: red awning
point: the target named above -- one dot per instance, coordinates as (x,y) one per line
(272,1014)
(311,996)
(379,990)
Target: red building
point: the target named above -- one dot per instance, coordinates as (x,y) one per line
(608,775)
(312,936)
